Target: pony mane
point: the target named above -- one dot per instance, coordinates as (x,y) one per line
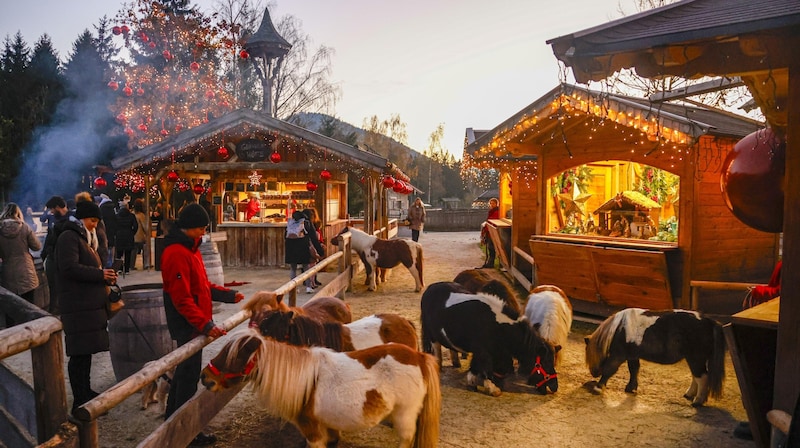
(555,324)
(496,304)
(284,378)
(600,341)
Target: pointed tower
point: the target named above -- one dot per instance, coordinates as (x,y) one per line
(267,50)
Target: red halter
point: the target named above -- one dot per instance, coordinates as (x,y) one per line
(227,376)
(537,368)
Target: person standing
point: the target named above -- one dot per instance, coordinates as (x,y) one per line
(494,213)
(57,208)
(100,232)
(126,231)
(297,251)
(82,295)
(317,241)
(141,236)
(17,239)
(109,215)
(187,302)
(416,217)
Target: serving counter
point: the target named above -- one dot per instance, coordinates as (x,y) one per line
(252,244)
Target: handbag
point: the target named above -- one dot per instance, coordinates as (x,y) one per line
(114,304)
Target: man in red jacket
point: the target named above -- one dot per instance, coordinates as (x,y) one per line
(187,302)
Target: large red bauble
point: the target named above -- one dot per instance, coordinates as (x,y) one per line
(398,186)
(199,189)
(388,182)
(222,152)
(325,175)
(752,180)
(311,186)
(113,85)
(116,30)
(140,91)
(244,54)
(167,55)
(143,127)
(172,176)
(125,29)
(100,183)
(164,132)
(194,66)
(275,157)
(210,94)
(127,91)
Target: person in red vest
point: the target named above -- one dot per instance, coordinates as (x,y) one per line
(252,207)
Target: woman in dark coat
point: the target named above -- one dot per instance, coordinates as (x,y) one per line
(297,249)
(126,231)
(81,282)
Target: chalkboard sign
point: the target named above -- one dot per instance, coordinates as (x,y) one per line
(252,150)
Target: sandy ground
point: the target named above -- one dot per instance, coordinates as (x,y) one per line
(658,416)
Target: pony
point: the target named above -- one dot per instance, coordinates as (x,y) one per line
(549,307)
(323,309)
(386,254)
(485,326)
(490,281)
(663,337)
(323,392)
(377,329)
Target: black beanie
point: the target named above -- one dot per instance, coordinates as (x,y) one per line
(192,216)
(87,209)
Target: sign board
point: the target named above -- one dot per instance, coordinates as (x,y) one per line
(252,150)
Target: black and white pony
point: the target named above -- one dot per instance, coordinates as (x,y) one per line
(663,337)
(485,326)
(385,254)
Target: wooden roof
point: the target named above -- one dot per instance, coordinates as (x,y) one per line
(693,38)
(241,122)
(628,200)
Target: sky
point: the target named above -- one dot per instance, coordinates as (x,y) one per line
(459,63)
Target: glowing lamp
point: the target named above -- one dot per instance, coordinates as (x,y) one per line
(194,66)
(113,85)
(275,157)
(199,189)
(311,186)
(325,175)
(172,176)
(100,183)
(222,152)
(752,180)
(388,182)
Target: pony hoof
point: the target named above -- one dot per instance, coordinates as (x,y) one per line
(597,390)
(688,397)
(697,404)
(631,390)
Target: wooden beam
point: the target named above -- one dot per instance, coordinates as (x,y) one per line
(698,89)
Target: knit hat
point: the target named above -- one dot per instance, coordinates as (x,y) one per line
(87,209)
(192,216)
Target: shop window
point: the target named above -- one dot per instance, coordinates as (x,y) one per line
(614,199)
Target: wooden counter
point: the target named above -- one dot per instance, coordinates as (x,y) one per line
(252,244)
(752,339)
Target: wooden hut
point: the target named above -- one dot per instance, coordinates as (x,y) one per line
(613,137)
(757,43)
(246,156)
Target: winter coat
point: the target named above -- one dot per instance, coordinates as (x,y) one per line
(297,249)
(416,215)
(141,232)
(187,291)
(16,241)
(109,214)
(52,235)
(126,229)
(82,293)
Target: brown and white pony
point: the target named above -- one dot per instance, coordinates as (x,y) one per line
(377,329)
(323,309)
(549,307)
(379,253)
(490,281)
(323,392)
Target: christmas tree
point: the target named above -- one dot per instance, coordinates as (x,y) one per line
(168,79)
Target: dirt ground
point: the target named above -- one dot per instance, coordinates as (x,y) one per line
(658,416)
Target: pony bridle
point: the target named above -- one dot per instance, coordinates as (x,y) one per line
(537,368)
(224,377)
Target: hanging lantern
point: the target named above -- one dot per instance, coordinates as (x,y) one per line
(752,180)
(222,152)
(100,183)
(275,157)
(113,85)
(244,54)
(325,175)
(311,186)
(199,189)
(172,176)
(194,66)
(388,181)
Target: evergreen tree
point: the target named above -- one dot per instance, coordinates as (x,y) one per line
(15,122)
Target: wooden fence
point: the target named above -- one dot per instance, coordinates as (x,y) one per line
(457,220)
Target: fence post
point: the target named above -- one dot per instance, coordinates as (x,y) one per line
(49,386)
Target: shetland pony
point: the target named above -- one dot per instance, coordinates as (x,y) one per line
(322,392)
(495,335)
(377,329)
(379,253)
(663,337)
(549,307)
(323,309)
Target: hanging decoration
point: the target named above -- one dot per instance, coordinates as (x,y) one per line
(244,54)
(113,85)
(388,181)
(255,179)
(172,176)
(100,183)
(222,152)
(325,175)
(199,189)
(275,157)
(311,186)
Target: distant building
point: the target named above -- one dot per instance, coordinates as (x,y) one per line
(482,201)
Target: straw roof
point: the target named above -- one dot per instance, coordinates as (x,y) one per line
(628,200)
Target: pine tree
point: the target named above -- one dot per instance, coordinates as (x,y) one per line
(47,84)
(172,83)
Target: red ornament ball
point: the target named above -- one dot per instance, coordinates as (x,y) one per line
(172,176)
(752,180)
(210,94)
(100,183)
(194,66)
(164,132)
(311,186)
(127,91)
(244,54)
(388,182)
(140,91)
(325,175)
(222,152)
(398,186)
(199,189)
(143,127)
(125,29)
(116,30)
(275,157)
(122,119)
(129,132)
(167,55)
(178,127)
(152,45)
(113,85)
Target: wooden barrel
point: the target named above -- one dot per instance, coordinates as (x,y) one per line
(213,262)
(138,333)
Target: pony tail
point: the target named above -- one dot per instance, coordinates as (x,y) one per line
(427,434)
(419,264)
(716,365)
